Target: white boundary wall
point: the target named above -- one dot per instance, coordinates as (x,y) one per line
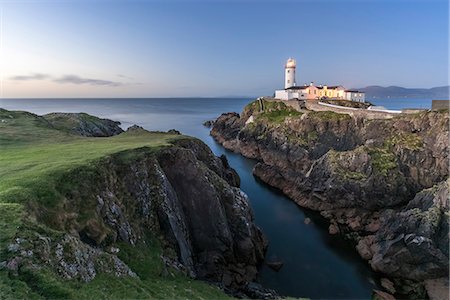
(360,109)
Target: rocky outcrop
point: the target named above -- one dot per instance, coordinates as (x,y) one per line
(364,175)
(416,235)
(83,124)
(68,256)
(208,123)
(181,195)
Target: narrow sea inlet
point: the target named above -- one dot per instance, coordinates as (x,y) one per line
(316,264)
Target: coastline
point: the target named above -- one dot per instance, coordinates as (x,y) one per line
(279,159)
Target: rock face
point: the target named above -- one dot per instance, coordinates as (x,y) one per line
(83,124)
(379,182)
(181,193)
(416,235)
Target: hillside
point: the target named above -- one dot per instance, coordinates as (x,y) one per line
(374,91)
(132,215)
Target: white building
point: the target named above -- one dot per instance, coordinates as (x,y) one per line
(353,95)
(311,92)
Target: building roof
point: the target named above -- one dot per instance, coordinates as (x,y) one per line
(353,91)
(297,87)
(329,87)
(291,63)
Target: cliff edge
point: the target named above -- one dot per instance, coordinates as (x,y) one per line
(382,183)
(136,214)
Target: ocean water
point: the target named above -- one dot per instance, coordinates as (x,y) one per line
(316,264)
(401,103)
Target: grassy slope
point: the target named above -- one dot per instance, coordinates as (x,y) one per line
(32,157)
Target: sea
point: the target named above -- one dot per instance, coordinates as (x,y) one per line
(317,265)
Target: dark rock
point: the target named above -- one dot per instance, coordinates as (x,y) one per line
(388,285)
(256,291)
(209,123)
(380,295)
(415,236)
(409,289)
(83,124)
(437,289)
(173,131)
(364,247)
(275,265)
(135,128)
(333,229)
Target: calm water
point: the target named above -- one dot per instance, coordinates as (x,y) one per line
(316,265)
(400,103)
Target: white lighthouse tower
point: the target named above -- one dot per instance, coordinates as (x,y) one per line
(289,73)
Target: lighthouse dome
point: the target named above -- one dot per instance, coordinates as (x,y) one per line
(291,63)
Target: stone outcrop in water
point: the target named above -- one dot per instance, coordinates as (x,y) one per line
(380,182)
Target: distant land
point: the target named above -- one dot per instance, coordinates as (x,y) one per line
(375,91)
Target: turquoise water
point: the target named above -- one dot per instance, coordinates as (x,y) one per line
(316,265)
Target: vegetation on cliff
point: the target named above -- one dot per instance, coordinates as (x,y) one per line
(270,111)
(109,217)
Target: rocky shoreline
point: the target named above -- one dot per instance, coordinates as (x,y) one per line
(381,183)
(178,196)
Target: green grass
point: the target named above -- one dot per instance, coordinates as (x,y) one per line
(11,215)
(152,282)
(276,112)
(42,284)
(278,116)
(27,171)
(329,115)
(336,158)
(382,160)
(273,111)
(405,140)
(35,160)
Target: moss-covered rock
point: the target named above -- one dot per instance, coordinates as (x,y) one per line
(83,124)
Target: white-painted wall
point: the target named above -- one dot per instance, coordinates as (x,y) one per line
(357,97)
(291,94)
(289,77)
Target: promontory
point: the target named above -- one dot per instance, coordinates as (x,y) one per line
(90,211)
(381,182)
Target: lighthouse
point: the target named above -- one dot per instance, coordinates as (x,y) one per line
(289,73)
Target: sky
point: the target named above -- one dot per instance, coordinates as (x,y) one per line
(107,48)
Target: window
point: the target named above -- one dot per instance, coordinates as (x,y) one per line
(289,81)
(289,71)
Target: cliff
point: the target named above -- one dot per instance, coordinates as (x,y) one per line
(138,214)
(380,182)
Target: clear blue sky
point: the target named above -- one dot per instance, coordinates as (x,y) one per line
(81,48)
